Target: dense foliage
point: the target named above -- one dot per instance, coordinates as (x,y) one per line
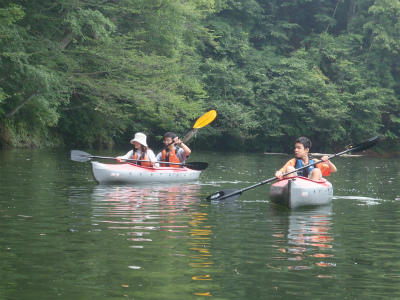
(92,73)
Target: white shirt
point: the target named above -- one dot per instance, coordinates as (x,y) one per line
(149,153)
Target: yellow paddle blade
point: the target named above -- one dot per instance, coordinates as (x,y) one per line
(205,119)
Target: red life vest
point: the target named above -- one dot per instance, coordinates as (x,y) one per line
(170,156)
(142,157)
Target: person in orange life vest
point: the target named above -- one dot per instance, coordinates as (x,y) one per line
(172,153)
(301,148)
(140,151)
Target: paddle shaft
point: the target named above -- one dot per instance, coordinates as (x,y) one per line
(138,160)
(204,120)
(82,156)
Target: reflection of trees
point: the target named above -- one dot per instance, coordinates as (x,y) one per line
(156,222)
(307,236)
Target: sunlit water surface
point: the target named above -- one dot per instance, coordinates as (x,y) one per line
(65,237)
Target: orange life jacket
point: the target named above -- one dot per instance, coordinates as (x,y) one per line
(142,157)
(170,156)
(322,166)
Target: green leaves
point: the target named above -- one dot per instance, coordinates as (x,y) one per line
(92,72)
(85,23)
(8,16)
(103,68)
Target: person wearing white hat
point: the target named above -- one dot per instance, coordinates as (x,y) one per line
(140,152)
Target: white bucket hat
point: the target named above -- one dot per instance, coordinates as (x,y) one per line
(140,138)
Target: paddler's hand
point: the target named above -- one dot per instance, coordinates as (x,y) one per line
(325,159)
(119,159)
(279,175)
(177,141)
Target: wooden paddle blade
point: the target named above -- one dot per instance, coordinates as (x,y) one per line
(205,119)
(196,165)
(366,144)
(81,156)
(230,194)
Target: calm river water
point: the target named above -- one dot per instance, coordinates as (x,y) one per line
(65,237)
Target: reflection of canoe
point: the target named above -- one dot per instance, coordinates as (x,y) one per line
(304,236)
(300,191)
(129,173)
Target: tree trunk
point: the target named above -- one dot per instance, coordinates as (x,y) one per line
(333,16)
(11,113)
(351,13)
(67,38)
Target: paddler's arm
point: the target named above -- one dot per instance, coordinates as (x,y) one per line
(152,158)
(331,166)
(279,174)
(158,159)
(126,156)
(185,148)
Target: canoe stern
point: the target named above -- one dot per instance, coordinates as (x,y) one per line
(299,192)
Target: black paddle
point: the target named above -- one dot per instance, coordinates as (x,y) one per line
(81,156)
(233,194)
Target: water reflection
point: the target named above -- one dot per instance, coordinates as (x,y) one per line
(145,208)
(163,224)
(304,237)
(201,257)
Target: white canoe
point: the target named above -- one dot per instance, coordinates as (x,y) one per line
(300,191)
(130,173)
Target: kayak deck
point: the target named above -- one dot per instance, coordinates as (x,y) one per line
(130,173)
(300,191)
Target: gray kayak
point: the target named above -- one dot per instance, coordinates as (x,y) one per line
(300,191)
(131,173)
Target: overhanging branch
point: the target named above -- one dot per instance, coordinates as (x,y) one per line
(11,113)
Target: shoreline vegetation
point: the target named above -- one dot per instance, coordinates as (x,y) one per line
(87,74)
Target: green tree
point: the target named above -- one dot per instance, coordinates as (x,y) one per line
(90,71)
